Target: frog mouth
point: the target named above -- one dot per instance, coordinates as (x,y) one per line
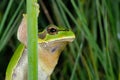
(67,39)
(62,39)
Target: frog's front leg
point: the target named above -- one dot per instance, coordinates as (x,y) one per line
(20,72)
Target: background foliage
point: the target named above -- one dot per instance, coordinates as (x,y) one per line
(95,53)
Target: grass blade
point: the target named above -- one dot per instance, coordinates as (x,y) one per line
(32,14)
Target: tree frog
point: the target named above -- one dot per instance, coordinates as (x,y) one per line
(51,41)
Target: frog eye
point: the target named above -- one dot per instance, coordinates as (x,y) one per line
(52,30)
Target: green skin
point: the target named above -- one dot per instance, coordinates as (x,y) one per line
(14,60)
(44,38)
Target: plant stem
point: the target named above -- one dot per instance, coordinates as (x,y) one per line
(32,14)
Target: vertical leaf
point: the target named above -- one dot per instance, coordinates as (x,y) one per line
(32,14)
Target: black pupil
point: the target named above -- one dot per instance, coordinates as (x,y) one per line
(52,30)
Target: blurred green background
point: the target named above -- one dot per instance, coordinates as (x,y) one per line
(94,54)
